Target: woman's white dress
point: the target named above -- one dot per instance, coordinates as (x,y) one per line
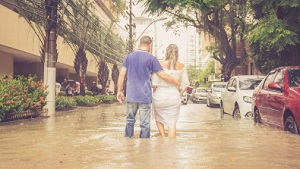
(166,98)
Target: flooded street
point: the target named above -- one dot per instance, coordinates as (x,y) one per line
(93,138)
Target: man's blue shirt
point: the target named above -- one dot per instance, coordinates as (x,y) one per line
(140,65)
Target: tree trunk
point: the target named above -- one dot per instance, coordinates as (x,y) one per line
(103,73)
(114,76)
(80,66)
(296,54)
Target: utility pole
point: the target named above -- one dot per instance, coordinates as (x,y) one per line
(130,26)
(50,53)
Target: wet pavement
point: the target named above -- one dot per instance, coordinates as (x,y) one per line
(93,138)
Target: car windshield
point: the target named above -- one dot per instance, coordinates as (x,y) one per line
(294,77)
(219,87)
(249,83)
(201,90)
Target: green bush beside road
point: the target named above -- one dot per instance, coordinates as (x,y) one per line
(20,94)
(67,103)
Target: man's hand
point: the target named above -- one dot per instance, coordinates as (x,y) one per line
(120,97)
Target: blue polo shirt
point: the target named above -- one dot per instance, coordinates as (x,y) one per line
(140,64)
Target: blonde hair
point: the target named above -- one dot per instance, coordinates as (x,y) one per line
(172,55)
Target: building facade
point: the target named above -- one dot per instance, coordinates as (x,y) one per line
(20,46)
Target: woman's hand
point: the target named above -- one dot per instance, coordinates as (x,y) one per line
(181,92)
(154,88)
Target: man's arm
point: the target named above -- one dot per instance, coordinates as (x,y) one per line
(163,75)
(121,78)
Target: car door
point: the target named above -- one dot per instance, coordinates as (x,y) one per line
(229,96)
(276,100)
(262,98)
(224,95)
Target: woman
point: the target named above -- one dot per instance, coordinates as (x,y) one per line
(166,97)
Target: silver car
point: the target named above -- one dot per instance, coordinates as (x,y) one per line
(214,93)
(199,95)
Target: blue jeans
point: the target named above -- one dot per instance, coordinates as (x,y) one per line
(144,110)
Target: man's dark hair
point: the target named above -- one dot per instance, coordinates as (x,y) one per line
(145,40)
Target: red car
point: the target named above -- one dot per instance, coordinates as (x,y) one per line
(276,100)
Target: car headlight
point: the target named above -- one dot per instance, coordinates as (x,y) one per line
(214,95)
(247,99)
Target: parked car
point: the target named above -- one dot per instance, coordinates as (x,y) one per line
(237,96)
(199,95)
(276,100)
(214,93)
(184,98)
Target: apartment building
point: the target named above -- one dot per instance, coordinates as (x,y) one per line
(20,46)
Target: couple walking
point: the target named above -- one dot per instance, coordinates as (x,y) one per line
(168,79)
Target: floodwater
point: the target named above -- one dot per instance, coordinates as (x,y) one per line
(92,138)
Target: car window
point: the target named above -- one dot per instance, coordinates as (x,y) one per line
(279,78)
(218,87)
(249,83)
(268,80)
(229,83)
(294,77)
(201,90)
(234,83)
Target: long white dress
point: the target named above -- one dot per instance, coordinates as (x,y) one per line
(166,98)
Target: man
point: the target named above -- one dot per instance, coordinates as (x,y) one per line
(95,90)
(137,67)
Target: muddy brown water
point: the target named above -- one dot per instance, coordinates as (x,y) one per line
(92,138)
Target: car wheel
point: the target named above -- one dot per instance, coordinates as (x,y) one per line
(222,110)
(256,116)
(290,125)
(236,112)
(208,103)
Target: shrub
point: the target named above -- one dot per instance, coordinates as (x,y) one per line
(106,98)
(61,93)
(89,93)
(86,101)
(64,103)
(21,94)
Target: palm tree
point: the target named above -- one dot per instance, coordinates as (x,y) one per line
(114,76)
(103,73)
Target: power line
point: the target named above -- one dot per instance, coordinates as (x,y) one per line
(97,51)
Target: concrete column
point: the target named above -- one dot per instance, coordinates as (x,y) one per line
(6,64)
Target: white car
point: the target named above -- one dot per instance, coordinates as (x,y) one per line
(199,95)
(214,93)
(237,96)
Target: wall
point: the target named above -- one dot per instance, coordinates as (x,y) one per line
(6,64)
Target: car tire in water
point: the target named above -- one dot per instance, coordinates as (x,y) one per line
(290,125)
(256,117)
(236,112)
(208,103)
(221,110)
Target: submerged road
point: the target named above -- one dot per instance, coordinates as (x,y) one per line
(92,138)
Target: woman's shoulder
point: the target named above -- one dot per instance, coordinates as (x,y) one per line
(164,63)
(179,66)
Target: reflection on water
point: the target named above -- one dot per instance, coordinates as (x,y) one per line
(94,138)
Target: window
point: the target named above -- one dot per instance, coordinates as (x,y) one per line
(279,77)
(268,80)
(234,83)
(229,82)
(249,83)
(294,77)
